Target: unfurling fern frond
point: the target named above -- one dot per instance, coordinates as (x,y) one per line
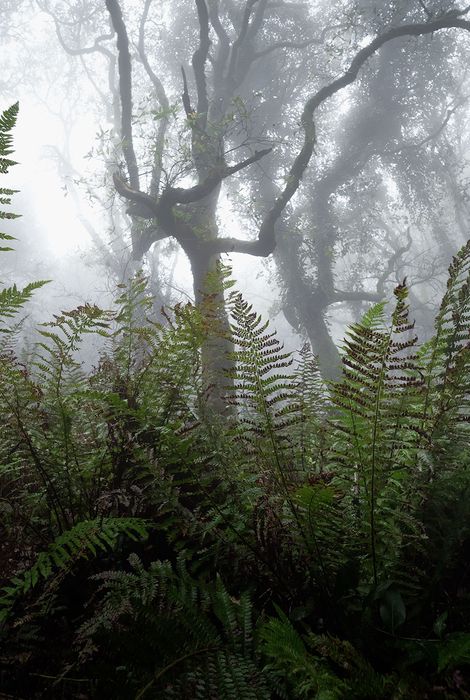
(84,540)
(377,428)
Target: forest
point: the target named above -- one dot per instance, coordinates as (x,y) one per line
(235,349)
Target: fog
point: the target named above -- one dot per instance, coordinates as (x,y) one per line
(382,197)
(234,349)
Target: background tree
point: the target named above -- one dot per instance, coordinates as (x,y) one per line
(248,70)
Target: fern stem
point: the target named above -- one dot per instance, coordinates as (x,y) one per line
(171,665)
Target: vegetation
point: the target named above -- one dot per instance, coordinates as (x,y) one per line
(310,541)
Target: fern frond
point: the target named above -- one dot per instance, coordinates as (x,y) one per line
(377,427)
(446,359)
(262,389)
(302,675)
(84,540)
(12,299)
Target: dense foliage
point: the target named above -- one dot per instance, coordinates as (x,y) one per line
(308,541)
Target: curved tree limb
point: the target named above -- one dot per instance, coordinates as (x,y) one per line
(391,263)
(181,195)
(162,99)
(125,90)
(266,241)
(156,82)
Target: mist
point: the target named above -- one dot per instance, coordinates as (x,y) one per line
(239,233)
(382,199)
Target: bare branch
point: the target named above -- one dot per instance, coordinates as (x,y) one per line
(240,38)
(432,136)
(162,99)
(266,242)
(427,12)
(198,192)
(199,63)
(286,45)
(179,195)
(125,90)
(360,295)
(81,50)
(217,25)
(299,44)
(257,21)
(156,82)
(391,263)
(185,95)
(96,48)
(149,208)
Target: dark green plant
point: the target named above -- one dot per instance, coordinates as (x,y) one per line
(307,543)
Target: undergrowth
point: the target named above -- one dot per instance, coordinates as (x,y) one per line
(310,542)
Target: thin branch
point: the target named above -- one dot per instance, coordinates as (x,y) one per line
(156,82)
(125,90)
(197,192)
(299,44)
(77,51)
(426,11)
(391,264)
(257,20)
(286,45)
(181,195)
(96,48)
(432,136)
(218,27)
(360,295)
(266,241)
(185,95)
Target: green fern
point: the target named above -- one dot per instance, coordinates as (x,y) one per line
(7,124)
(189,638)
(84,540)
(446,357)
(377,430)
(309,432)
(12,299)
(299,673)
(263,390)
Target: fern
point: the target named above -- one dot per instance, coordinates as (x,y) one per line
(83,540)
(301,674)
(308,433)
(193,639)
(376,430)
(447,360)
(12,299)
(263,390)
(7,124)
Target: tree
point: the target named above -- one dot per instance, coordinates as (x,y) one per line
(230,41)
